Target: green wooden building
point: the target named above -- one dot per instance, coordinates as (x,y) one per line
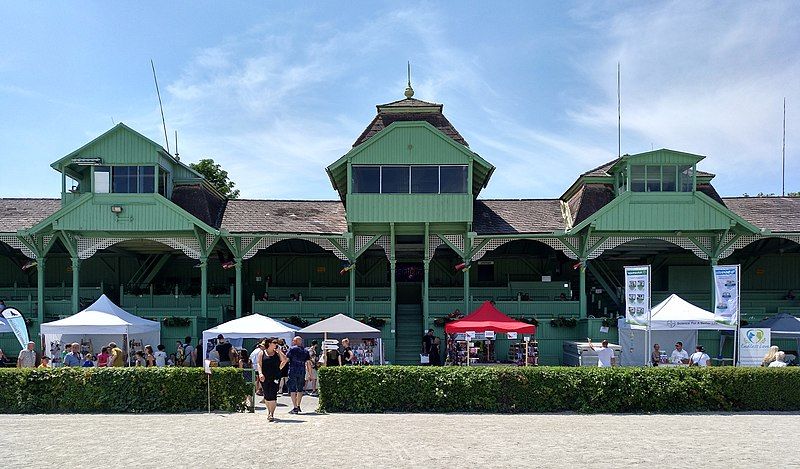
(136,223)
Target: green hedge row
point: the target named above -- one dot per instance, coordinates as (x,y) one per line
(557,389)
(115,390)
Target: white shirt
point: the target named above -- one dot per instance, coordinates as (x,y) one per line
(776,364)
(678,356)
(161,358)
(254,357)
(700,358)
(604,356)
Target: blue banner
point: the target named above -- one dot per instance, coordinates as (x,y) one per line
(17,324)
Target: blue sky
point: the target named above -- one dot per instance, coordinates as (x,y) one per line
(276,92)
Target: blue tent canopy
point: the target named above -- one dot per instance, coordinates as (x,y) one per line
(781,325)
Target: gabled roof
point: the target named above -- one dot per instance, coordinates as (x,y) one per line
(18,214)
(408,102)
(289,216)
(511,216)
(204,204)
(777,214)
(383,120)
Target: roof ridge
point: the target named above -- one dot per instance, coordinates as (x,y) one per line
(285,200)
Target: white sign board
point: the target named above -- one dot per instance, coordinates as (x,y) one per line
(469,335)
(726,294)
(489,334)
(330,341)
(511,335)
(753,345)
(637,295)
(330,347)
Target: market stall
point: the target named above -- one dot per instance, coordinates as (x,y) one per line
(364,340)
(781,326)
(672,320)
(482,325)
(94,327)
(254,326)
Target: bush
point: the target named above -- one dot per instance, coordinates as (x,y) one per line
(557,389)
(116,390)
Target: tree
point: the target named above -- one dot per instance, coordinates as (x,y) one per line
(216,176)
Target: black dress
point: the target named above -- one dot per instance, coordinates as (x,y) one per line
(271,369)
(434,355)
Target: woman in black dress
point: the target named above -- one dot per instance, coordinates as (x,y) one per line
(269,373)
(434,353)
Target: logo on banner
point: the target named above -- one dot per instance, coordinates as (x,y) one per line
(726,294)
(753,345)
(17,324)
(756,336)
(637,295)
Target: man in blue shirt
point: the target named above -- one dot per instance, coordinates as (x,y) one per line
(73,358)
(299,365)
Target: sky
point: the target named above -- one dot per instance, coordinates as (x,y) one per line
(276,91)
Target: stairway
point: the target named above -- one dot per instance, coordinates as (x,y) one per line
(408,334)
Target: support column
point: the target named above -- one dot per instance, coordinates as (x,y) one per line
(40,264)
(238,294)
(204,286)
(467,268)
(76,282)
(713,302)
(393,288)
(352,276)
(582,283)
(426,282)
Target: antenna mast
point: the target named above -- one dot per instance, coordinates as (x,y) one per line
(177,156)
(783,153)
(619,116)
(158,93)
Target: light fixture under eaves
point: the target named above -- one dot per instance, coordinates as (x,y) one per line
(116,209)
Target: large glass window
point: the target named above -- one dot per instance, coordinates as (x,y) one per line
(424,179)
(147,179)
(638,178)
(453,180)
(102,179)
(653,178)
(366,179)
(669,174)
(162,181)
(395,179)
(686,178)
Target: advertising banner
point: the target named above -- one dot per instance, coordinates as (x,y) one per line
(726,294)
(637,295)
(753,345)
(17,324)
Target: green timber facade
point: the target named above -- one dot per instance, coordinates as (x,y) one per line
(137,224)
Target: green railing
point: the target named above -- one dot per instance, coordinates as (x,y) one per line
(518,308)
(63,292)
(305,308)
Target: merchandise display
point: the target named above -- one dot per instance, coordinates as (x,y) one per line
(366,351)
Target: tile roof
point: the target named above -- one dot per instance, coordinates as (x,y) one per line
(200,202)
(291,216)
(509,216)
(602,170)
(383,120)
(589,199)
(778,214)
(17,214)
(408,102)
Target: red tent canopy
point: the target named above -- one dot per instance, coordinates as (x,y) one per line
(488,318)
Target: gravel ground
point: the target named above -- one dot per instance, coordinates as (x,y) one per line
(433,440)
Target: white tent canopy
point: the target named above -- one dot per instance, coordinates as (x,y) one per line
(675,313)
(340,325)
(102,322)
(254,326)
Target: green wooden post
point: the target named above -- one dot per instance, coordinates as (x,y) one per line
(76,281)
(713,261)
(393,287)
(352,276)
(204,286)
(582,285)
(467,258)
(40,264)
(238,299)
(426,284)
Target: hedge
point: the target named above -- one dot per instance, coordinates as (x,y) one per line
(114,390)
(557,389)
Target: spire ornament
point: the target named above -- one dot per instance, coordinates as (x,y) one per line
(409,90)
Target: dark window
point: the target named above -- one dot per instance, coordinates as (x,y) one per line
(394,180)
(162,181)
(424,179)
(669,174)
(366,179)
(119,179)
(453,180)
(637,178)
(653,178)
(486,272)
(147,179)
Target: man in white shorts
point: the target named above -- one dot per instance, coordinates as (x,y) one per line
(605,355)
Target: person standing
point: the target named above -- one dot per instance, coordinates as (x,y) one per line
(45,362)
(117,355)
(102,357)
(299,367)
(27,356)
(679,355)
(160,356)
(254,355)
(779,360)
(770,356)
(348,357)
(271,362)
(434,353)
(149,356)
(223,348)
(87,361)
(427,341)
(73,358)
(699,357)
(188,357)
(605,355)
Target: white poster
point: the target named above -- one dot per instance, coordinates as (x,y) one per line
(637,294)
(511,335)
(726,294)
(753,345)
(17,324)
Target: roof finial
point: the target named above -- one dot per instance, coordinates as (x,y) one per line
(409,90)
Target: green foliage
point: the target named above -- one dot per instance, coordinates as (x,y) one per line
(297,321)
(557,389)
(563,322)
(217,177)
(114,390)
(533,321)
(374,321)
(177,321)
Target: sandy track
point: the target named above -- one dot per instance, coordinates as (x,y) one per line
(433,440)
